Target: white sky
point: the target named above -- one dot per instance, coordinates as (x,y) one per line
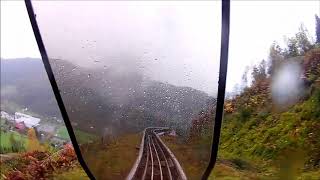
(254,26)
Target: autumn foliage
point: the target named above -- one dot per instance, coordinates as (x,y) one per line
(33,143)
(39,165)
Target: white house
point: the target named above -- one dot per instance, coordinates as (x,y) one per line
(28,120)
(6,116)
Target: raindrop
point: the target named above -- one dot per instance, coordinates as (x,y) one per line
(89,75)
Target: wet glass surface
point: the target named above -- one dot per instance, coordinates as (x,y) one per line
(123,67)
(271,111)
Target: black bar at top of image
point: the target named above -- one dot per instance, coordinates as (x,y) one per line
(224,48)
(54,86)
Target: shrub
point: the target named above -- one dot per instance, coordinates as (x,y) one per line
(245,114)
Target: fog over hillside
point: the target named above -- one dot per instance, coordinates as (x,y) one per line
(100,98)
(24,83)
(124,100)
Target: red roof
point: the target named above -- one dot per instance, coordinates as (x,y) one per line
(20,125)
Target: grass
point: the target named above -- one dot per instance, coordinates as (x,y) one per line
(193,158)
(188,156)
(74,173)
(5,138)
(84,137)
(2,121)
(270,137)
(63,132)
(113,161)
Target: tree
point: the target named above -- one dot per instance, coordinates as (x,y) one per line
(275,57)
(292,48)
(259,73)
(244,77)
(303,42)
(299,44)
(317,29)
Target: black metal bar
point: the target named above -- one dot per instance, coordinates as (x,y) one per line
(54,86)
(221,86)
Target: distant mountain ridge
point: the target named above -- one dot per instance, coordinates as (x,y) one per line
(24,83)
(99,99)
(124,101)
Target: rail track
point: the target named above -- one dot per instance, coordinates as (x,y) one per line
(155,160)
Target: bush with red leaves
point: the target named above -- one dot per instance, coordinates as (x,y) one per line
(39,165)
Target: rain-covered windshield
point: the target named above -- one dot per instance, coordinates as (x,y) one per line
(271,121)
(138,80)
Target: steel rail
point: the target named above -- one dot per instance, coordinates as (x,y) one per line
(174,159)
(157,156)
(138,160)
(146,167)
(151,157)
(152,152)
(165,159)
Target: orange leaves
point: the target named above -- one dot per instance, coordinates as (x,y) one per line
(229,107)
(39,165)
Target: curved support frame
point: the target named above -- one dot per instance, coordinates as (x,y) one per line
(221,86)
(224,50)
(54,86)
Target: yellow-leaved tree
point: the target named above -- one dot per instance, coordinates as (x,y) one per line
(33,143)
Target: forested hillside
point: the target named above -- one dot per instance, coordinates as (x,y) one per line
(272,126)
(124,102)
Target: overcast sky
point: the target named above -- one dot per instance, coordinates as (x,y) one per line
(177,42)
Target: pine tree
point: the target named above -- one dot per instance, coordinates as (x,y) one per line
(303,42)
(275,57)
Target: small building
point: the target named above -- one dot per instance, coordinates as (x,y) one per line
(28,120)
(20,127)
(7,116)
